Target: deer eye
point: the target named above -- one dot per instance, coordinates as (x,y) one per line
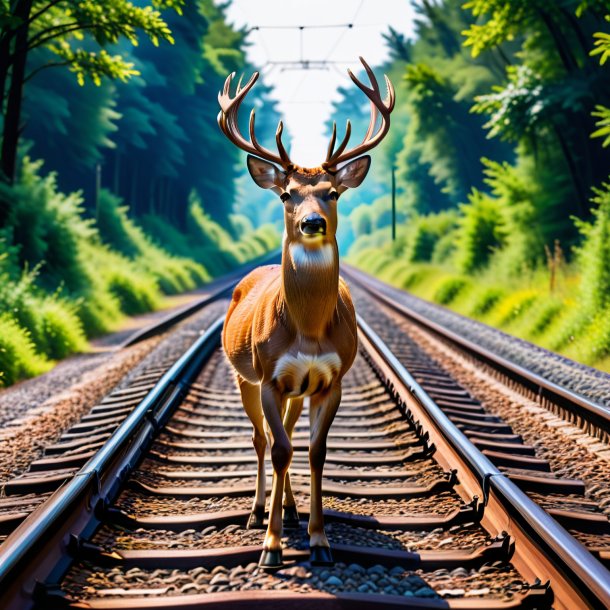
(285,196)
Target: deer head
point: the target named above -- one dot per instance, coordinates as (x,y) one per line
(309,195)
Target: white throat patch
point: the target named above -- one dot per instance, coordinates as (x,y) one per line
(311,258)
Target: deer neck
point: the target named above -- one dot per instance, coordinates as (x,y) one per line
(310,286)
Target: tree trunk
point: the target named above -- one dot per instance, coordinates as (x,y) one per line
(581,198)
(566,56)
(12,118)
(5,53)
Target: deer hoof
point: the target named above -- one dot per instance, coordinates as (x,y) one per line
(321,556)
(271,560)
(256,521)
(290,518)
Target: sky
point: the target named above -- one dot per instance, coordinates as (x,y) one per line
(305,96)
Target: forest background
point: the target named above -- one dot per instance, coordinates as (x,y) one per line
(500,144)
(120,188)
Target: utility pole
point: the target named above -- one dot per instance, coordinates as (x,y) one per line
(393,203)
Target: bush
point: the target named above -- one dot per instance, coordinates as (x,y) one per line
(425,233)
(594,254)
(445,247)
(414,278)
(486,300)
(543,315)
(48,227)
(209,244)
(122,234)
(514,306)
(18,357)
(594,344)
(62,329)
(450,289)
(69,278)
(481,232)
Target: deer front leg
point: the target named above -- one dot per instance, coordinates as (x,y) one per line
(251,399)
(281,455)
(291,514)
(321,415)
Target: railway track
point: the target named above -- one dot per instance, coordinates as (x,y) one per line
(144,502)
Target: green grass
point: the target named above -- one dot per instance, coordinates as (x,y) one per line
(522,306)
(18,356)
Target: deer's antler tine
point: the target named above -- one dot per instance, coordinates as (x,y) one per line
(225,89)
(331,145)
(374,134)
(244,90)
(391,97)
(228,121)
(262,151)
(348,133)
(367,90)
(371,75)
(280,145)
(251,128)
(372,122)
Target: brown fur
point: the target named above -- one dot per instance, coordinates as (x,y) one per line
(290,333)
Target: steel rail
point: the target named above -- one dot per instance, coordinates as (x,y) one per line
(37,550)
(589,579)
(580,406)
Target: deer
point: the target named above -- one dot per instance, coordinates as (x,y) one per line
(290,331)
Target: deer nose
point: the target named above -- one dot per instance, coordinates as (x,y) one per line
(313,224)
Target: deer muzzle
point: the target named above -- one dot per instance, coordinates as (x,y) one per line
(313,224)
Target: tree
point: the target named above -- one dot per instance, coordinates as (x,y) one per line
(548,98)
(75,34)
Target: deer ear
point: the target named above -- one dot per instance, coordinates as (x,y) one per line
(351,175)
(266,175)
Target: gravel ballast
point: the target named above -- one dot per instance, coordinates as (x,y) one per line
(54,405)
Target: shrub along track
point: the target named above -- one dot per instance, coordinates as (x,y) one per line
(154,515)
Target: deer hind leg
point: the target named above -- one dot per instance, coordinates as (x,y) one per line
(321,415)
(291,514)
(251,399)
(281,455)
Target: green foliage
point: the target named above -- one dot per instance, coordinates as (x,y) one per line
(122,234)
(18,357)
(486,300)
(514,306)
(481,232)
(450,289)
(543,316)
(425,233)
(136,294)
(73,261)
(62,329)
(594,254)
(603,125)
(47,226)
(516,109)
(206,242)
(602,44)
(70,278)
(63,32)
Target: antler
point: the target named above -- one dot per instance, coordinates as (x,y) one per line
(379,106)
(227,120)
